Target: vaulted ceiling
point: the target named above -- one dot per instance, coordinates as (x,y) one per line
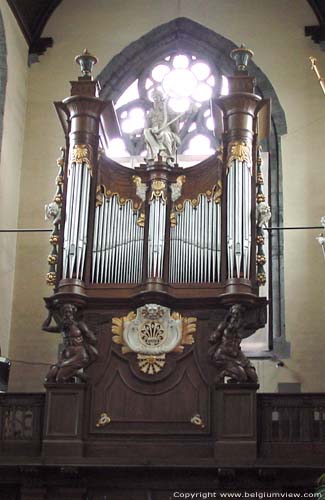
(32,16)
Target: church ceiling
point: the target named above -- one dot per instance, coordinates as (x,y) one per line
(32,16)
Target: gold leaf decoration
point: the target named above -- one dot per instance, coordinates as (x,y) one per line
(150,364)
(218,192)
(238,150)
(188,330)
(173,220)
(141,220)
(117,330)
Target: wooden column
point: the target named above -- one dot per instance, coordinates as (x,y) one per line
(235,424)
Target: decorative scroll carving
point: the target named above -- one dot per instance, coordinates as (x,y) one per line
(102,193)
(239,150)
(153,332)
(79,349)
(53,213)
(214,193)
(225,351)
(158,190)
(82,153)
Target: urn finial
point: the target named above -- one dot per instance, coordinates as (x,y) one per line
(86,62)
(241,56)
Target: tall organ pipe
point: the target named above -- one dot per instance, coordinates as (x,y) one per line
(195,243)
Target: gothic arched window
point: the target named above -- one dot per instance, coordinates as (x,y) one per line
(155,60)
(187,82)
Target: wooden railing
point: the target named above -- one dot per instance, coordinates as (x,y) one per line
(21,423)
(290,426)
(289,418)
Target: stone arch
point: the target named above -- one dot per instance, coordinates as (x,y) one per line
(183,34)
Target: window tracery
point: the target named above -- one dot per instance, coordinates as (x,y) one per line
(187,82)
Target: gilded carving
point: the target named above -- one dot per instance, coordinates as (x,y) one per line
(239,150)
(173,219)
(158,188)
(197,420)
(82,153)
(151,365)
(214,193)
(99,195)
(51,278)
(152,332)
(103,420)
(141,220)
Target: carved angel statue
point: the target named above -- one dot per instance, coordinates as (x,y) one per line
(263,213)
(161,134)
(53,213)
(225,351)
(78,351)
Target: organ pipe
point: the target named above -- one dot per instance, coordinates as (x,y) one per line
(117,251)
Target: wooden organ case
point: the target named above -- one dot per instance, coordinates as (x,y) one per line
(155,272)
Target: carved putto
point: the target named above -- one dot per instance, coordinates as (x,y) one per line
(53,212)
(225,351)
(79,349)
(263,214)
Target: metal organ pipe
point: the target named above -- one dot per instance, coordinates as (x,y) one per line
(239,232)
(195,243)
(156,236)
(118,243)
(76,220)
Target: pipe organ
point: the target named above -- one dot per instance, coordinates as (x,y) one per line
(155,285)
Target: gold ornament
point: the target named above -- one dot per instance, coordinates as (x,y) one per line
(239,150)
(173,219)
(103,420)
(188,330)
(52,259)
(150,364)
(54,239)
(158,187)
(141,220)
(82,153)
(51,279)
(260,260)
(261,279)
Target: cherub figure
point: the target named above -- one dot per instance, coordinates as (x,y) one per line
(263,213)
(226,353)
(79,349)
(53,213)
